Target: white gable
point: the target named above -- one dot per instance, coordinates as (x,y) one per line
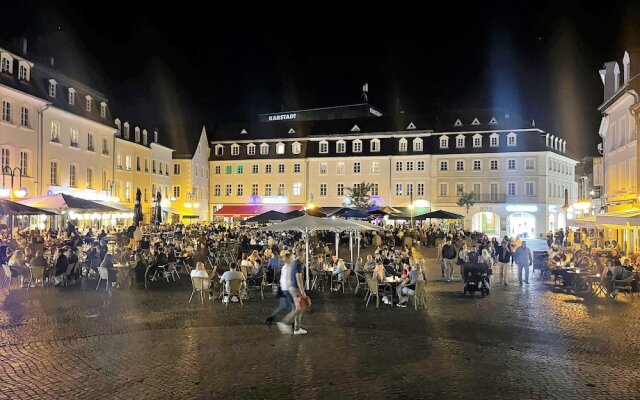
(475,122)
(458,123)
(411,126)
(292,131)
(243,132)
(355,128)
(493,121)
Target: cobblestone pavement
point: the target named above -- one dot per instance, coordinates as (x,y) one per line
(520,342)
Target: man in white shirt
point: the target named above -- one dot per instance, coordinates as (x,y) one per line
(231,275)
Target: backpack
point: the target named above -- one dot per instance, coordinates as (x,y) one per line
(448,251)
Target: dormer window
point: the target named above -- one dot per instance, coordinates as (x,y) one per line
(235,149)
(280,148)
(324,147)
(23,71)
(511,139)
(417,144)
(357,146)
(251,149)
(341,146)
(494,140)
(144,137)
(477,140)
(296,148)
(374,146)
(137,134)
(219,150)
(460,141)
(7,63)
(52,87)
(118,125)
(87,103)
(444,142)
(402,144)
(72,96)
(103,109)
(264,149)
(126,130)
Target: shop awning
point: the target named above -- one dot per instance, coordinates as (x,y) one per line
(62,202)
(624,218)
(280,209)
(117,206)
(238,211)
(583,222)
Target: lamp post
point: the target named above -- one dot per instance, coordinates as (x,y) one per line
(12,172)
(411,207)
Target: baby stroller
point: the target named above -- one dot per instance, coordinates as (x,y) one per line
(476,276)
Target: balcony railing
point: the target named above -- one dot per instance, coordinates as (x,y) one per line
(105,152)
(477,197)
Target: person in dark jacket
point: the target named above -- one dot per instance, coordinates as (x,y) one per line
(60,267)
(504,261)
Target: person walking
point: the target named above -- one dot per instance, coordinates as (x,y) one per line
(286,302)
(504,261)
(449,256)
(296,290)
(523,260)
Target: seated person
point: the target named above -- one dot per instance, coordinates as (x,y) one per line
(232,274)
(408,285)
(60,266)
(338,273)
(140,268)
(379,273)
(18,265)
(621,273)
(359,267)
(39,260)
(256,276)
(108,264)
(200,272)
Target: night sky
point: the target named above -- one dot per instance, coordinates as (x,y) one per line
(161,67)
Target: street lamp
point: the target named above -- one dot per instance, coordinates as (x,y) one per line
(189,203)
(12,172)
(411,207)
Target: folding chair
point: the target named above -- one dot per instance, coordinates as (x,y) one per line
(104,275)
(198,283)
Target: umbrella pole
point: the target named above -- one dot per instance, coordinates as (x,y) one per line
(358,246)
(306,243)
(351,246)
(337,242)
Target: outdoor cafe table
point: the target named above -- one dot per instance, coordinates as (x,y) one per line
(124,273)
(392,282)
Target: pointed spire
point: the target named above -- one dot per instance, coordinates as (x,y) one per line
(533,122)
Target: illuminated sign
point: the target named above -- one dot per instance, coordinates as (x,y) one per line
(275,199)
(522,208)
(375,112)
(282,117)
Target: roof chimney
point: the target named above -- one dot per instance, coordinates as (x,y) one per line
(52,62)
(24,45)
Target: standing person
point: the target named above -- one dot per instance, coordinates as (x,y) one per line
(523,260)
(449,256)
(130,230)
(504,261)
(296,289)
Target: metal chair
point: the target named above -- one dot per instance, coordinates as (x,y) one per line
(625,285)
(258,285)
(235,287)
(198,283)
(36,273)
(8,276)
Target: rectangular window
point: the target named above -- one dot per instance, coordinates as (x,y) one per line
(72,97)
(324,147)
(476,189)
(6,111)
(444,189)
(54,173)
(103,110)
(375,167)
(356,167)
(280,189)
(511,165)
(24,163)
(375,145)
(267,169)
(90,142)
(240,190)
(105,147)
(254,168)
(459,165)
(264,149)
(216,190)
(477,142)
(511,189)
(297,189)
(323,168)
(357,146)
(476,165)
(216,170)
(296,168)
(240,169)
(340,189)
(228,169)
(459,188)
(528,189)
(138,163)
(444,165)
(235,150)
(444,142)
(74,137)
(409,166)
(323,190)
(493,189)
(460,142)
(409,189)
(24,117)
(52,89)
(127,162)
(493,142)
(87,104)
(511,140)
(281,168)
(127,191)
(254,189)
(340,168)
(375,189)
(494,165)
(420,189)
(398,189)
(251,150)
(402,144)
(228,190)
(267,189)
(176,169)
(341,147)
(528,164)
(72,176)
(420,165)
(398,166)
(176,191)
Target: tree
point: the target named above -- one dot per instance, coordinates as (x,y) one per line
(358,196)
(466,200)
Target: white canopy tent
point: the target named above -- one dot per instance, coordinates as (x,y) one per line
(307,224)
